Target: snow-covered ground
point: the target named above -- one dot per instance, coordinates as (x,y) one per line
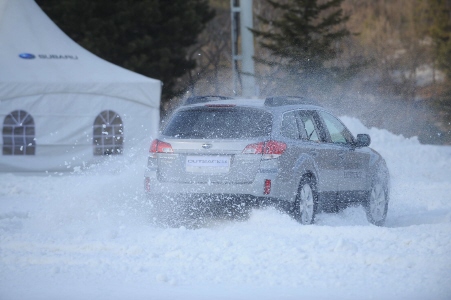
(88,236)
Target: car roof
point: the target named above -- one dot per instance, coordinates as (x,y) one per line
(269,102)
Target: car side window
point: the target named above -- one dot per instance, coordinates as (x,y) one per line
(338,133)
(308,121)
(289,125)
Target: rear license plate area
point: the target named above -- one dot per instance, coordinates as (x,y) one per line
(207,164)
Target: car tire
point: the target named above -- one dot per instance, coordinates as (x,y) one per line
(306,203)
(376,204)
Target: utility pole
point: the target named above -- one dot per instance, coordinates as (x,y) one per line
(242,47)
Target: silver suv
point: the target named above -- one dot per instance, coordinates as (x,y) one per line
(284,149)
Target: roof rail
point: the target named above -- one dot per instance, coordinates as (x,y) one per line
(204,99)
(290,100)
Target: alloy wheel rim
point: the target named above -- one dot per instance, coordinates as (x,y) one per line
(306,204)
(377,202)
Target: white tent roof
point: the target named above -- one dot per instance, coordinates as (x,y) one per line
(60,64)
(64,88)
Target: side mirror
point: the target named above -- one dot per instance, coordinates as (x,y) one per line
(363,140)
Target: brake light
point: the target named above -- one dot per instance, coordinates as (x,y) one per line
(158,146)
(254,148)
(269,149)
(274,147)
(267,187)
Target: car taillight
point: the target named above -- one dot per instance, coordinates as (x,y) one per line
(254,148)
(269,149)
(267,187)
(274,147)
(158,146)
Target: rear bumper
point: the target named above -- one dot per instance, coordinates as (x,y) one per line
(258,188)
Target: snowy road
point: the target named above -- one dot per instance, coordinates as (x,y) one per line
(87,236)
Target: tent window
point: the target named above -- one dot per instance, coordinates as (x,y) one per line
(108,136)
(19,134)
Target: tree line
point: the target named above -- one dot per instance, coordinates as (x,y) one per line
(387,62)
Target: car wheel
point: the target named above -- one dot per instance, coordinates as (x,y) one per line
(306,202)
(376,206)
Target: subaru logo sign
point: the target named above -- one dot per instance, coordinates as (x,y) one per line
(207,146)
(27,56)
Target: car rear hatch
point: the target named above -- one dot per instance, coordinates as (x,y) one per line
(212,144)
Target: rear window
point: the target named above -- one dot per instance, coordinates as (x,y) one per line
(223,123)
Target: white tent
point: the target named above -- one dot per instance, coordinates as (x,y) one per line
(61,106)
